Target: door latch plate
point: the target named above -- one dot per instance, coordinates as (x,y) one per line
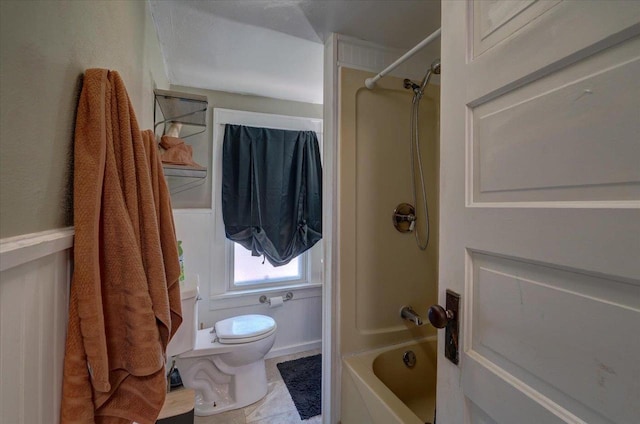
(451,330)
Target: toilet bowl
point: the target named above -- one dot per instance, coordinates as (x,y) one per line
(224,364)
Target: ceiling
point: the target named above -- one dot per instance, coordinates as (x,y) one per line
(274,48)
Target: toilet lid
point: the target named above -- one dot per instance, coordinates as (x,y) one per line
(236,329)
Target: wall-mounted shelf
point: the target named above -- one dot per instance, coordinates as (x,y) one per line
(190,110)
(184,171)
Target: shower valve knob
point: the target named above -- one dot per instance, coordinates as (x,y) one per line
(439,317)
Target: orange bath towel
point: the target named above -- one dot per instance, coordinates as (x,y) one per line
(177,152)
(125,297)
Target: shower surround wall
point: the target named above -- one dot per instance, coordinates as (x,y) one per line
(381,269)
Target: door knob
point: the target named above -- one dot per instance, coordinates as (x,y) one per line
(439,317)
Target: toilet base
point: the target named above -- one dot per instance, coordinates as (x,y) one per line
(225,376)
(219,389)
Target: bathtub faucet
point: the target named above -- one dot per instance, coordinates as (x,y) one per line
(409,314)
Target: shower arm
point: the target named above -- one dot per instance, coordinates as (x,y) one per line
(370,83)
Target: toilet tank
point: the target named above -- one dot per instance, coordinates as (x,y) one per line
(185,338)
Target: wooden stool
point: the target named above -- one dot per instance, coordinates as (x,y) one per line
(178,407)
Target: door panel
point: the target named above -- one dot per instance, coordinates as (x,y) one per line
(495,20)
(559,124)
(540,210)
(552,329)
(492,395)
(566,33)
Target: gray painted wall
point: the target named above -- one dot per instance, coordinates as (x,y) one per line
(45,47)
(200,196)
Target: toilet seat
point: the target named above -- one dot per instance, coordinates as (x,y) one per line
(248,329)
(244,329)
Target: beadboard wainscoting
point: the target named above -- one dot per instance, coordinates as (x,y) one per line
(299,320)
(35,270)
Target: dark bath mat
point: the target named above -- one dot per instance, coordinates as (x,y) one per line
(303,378)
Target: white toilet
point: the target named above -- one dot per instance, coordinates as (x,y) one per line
(223,364)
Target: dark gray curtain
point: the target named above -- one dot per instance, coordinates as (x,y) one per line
(272,191)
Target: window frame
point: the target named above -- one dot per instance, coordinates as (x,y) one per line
(222,265)
(258,284)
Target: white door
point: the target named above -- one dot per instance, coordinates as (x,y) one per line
(540,211)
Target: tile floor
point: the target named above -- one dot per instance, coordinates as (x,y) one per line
(275,408)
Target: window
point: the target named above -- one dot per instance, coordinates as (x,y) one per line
(254,270)
(246,272)
(233,269)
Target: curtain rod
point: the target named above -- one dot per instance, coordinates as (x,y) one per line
(371,82)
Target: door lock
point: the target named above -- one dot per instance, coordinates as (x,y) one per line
(448,319)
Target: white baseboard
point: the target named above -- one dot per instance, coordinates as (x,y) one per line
(297,348)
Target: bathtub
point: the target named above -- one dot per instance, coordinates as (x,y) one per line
(378,388)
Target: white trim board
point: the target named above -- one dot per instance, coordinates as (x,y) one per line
(366,56)
(25,248)
(265,120)
(230,299)
(331,361)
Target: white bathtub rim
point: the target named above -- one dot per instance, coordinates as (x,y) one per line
(361,364)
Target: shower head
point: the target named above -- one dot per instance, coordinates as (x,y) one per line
(419,89)
(433,69)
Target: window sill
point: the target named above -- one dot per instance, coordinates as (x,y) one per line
(250,297)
